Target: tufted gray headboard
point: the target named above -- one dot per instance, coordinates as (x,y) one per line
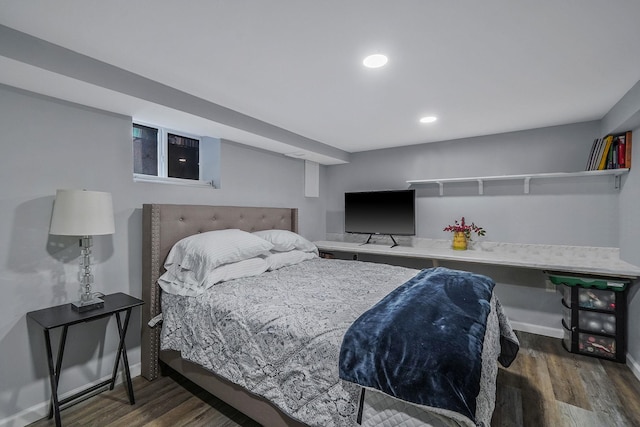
(164,225)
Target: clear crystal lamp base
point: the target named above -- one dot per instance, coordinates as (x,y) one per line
(88,300)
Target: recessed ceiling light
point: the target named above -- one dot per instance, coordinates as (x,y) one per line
(428,119)
(375,61)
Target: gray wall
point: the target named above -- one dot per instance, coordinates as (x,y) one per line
(49,144)
(572,211)
(625,115)
(555,212)
(630,244)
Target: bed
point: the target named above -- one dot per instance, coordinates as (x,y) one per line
(339,402)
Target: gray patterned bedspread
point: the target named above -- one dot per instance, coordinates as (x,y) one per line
(279,334)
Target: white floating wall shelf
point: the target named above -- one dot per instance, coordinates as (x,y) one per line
(617,173)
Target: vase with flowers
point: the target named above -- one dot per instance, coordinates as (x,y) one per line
(462,233)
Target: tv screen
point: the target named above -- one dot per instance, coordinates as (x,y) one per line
(380,212)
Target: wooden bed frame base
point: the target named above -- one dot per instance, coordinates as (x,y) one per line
(251,405)
(163,226)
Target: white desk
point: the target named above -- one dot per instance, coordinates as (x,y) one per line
(576,259)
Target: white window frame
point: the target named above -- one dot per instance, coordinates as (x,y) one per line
(163,165)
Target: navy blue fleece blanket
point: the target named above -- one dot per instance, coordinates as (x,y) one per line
(423,342)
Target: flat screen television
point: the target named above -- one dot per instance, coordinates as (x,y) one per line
(380,212)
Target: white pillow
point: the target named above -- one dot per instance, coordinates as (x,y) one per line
(285,240)
(188,285)
(203,252)
(283,259)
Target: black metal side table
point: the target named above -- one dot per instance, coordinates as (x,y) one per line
(63,316)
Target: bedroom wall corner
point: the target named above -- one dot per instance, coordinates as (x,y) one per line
(624,116)
(545,216)
(50,144)
(630,251)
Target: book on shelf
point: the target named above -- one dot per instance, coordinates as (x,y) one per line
(592,153)
(627,150)
(620,153)
(612,155)
(604,155)
(611,152)
(622,156)
(598,154)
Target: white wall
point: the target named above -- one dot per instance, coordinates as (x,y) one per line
(49,144)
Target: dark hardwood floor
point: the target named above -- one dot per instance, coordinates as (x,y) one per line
(545,387)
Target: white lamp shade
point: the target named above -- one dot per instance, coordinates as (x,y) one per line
(82,213)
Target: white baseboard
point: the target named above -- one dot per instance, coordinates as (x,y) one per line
(538,330)
(634,366)
(41,410)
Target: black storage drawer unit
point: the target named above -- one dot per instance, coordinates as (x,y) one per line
(594,315)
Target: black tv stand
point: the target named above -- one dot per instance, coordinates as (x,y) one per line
(394,240)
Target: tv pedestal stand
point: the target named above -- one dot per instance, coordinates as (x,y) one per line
(371,235)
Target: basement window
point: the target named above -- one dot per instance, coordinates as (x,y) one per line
(166,156)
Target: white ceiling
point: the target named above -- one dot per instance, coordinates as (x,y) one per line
(482,67)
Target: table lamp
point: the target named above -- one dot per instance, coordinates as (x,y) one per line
(86,214)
